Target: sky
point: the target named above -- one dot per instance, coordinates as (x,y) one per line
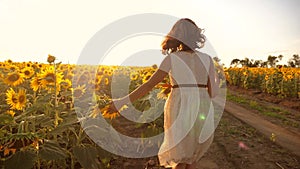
(32,29)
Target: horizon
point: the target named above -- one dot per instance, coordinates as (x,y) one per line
(279,63)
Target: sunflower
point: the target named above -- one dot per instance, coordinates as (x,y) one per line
(83,78)
(48,78)
(99,73)
(10,112)
(14,79)
(50,59)
(29,64)
(110,73)
(66,84)
(96,111)
(11,68)
(98,80)
(27,72)
(21,100)
(35,83)
(111,115)
(147,77)
(79,91)
(134,76)
(9,61)
(106,72)
(106,81)
(69,75)
(11,98)
(39,65)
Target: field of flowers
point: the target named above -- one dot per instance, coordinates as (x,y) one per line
(39,127)
(282,82)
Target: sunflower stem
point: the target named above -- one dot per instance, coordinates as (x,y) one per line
(55,87)
(55,101)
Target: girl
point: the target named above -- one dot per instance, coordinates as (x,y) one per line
(188,122)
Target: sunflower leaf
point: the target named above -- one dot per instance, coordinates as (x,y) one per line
(6,119)
(51,150)
(21,159)
(87,156)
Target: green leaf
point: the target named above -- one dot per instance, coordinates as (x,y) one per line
(45,122)
(65,125)
(6,119)
(51,150)
(87,157)
(21,159)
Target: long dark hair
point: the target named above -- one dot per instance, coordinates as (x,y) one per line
(185,35)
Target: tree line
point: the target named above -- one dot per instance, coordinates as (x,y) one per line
(272,61)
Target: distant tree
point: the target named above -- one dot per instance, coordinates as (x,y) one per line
(294,61)
(272,60)
(235,62)
(264,64)
(250,63)
(297,60)
(245,62)
(257,63)
(280,57)
(291,63)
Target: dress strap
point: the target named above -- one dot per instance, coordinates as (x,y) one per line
(190,85)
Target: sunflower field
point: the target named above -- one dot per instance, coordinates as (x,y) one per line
(39,127)
(282,82)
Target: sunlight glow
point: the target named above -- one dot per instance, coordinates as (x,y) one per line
(31,29)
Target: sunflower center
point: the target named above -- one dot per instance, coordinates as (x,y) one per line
(77,93)
(50,78)
(14,77)
(27,72)
(12,68)
(22,99)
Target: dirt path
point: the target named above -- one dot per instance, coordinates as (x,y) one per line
(239,146)
(267,107)
(283,137)
(236,145)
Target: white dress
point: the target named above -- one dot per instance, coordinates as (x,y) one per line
(188,112)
